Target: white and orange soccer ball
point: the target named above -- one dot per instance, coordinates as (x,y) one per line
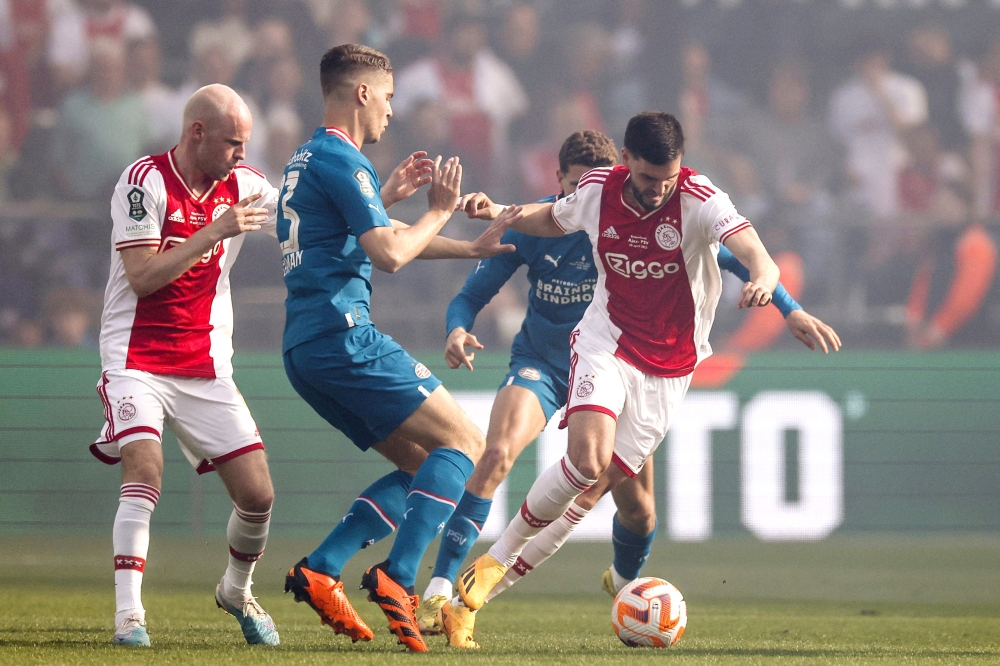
(649,612)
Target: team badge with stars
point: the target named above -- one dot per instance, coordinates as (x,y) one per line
(126,410)
(135,208)
(667,236)
(222,204)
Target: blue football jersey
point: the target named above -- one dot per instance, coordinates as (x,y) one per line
(562,277)
(329,197)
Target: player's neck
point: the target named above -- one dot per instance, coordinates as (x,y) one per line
(347,122)
(629,195)
(196,180)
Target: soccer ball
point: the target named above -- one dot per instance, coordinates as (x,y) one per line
(649,612)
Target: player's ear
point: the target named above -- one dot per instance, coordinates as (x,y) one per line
(363,93)
(197,130)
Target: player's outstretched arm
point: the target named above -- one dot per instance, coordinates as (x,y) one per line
(536,219)
(148,270)
(764,273)
(487,245)
(390,248)
(812,331)
(412,173)
(454,350)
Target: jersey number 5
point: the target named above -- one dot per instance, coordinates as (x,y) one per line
(291,244)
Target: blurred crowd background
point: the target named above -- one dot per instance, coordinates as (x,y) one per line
(862,138)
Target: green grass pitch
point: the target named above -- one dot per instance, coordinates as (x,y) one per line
(849,600)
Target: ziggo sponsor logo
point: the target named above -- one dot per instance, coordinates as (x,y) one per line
(638,269)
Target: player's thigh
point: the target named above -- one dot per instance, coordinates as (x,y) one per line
(515,421)
(636,501)
(248,481)
(213,423)
(142,462)
(404,454)
(590,443)
(439,422)
(649,409)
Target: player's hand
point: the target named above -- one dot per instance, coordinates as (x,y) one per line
(488,244)
(412,173)
(478,206)
(240,218)
(811,331)
(753,296)
(446,185)
(454,350)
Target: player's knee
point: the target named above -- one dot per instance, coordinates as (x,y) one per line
(142,464)
(640,518)
(588,464)
(497,461)
(256,501)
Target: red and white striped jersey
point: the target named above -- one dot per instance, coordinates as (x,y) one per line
(658,278)
(186,327)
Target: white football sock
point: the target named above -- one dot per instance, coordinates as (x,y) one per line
(548,499)
(541,548)
(618,580)
(247,536)
(438,587)
(131,543)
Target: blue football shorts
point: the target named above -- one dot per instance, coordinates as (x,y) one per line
(361,381)
(546,382)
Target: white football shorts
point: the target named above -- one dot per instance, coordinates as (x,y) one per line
(643,405)
(209,416)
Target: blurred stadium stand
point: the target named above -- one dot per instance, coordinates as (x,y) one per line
(894,215)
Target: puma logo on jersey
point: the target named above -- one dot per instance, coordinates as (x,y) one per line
(610,233)
(638,269)
(176,216)
(555,262)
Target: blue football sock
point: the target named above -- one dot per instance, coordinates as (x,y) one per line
(631,549)
(373,516)
(460,534)
(436,490)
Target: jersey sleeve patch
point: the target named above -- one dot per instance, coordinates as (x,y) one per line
(136,206)
(364,182)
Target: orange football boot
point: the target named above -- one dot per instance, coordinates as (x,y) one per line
(397,605)
(326,596)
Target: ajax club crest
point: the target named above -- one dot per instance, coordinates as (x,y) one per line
(667,236)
